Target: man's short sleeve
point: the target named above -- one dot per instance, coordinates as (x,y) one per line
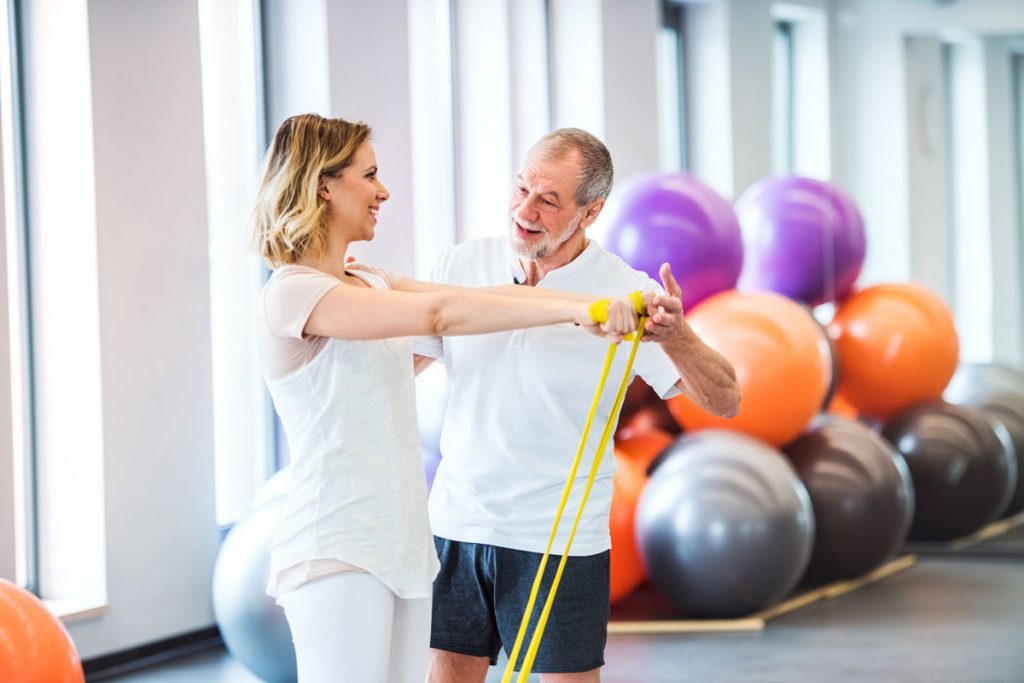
(430,346)
(653,366)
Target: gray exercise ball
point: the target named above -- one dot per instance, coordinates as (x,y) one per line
(1005,407)
(862,495)
(725,527)
(253,626)
(962,471)
(972,378)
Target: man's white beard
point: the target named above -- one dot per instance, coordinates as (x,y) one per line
(546,246)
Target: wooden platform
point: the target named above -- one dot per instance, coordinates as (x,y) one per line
(754,622)
(649,611)
(1003,538)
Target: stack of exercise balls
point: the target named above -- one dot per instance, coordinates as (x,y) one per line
(845,398)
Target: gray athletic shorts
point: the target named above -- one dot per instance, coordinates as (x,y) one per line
(482,590)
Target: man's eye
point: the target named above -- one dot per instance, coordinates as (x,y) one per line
(549,202)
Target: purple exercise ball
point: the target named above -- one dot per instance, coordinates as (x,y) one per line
(804,239)
(674,218)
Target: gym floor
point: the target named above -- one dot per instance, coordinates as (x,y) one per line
(954,618)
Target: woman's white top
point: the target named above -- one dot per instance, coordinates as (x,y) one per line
(358,494)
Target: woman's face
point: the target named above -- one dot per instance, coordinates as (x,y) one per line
(354,196)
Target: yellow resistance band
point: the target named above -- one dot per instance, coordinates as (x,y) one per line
(597,309)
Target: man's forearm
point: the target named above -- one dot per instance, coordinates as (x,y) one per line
(705,376)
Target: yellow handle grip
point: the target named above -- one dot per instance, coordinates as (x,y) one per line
(599,309)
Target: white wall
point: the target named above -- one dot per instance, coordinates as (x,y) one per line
(890,151)
(368,54)
(1005,238)
(729,92)
(869,105)
(927,164)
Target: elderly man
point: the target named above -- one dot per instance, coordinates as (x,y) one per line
(517,409)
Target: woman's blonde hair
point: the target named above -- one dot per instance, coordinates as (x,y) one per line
(288,221)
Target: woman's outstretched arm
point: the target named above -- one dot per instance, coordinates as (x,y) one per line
(349,312)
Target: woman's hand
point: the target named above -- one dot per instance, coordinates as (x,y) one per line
(610,319)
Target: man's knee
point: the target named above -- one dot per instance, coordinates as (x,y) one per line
(450,667)
(592,676)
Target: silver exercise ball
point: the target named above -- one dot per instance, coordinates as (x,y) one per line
(253,626)
(724,525)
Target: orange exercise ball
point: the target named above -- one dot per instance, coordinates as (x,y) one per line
(627,569)
(841,407)
(641,446)
(643,409)
(34,645)
(897,346)
(775,347)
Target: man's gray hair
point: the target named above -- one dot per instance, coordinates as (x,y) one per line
(596,172)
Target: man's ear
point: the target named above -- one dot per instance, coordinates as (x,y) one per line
(593,210)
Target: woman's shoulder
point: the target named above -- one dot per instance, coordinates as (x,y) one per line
(387,279)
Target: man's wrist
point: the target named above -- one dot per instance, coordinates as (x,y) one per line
(681,341)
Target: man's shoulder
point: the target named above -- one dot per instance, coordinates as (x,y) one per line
(481,255)
(475,248)
(610,268)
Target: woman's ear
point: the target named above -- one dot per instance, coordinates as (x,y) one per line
(322,190)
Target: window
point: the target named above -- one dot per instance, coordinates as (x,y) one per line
(672,87)
(234,137)
(782,68)
(802,137)
(18,537)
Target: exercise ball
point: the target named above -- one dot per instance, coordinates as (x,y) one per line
(276,487)
(724,525)
(774,345)
(252,624)
(897,346)
(862,496)
(830,361)
(34,645)
(627,569)
(971,378)
(641,446)
(1006,408)
(431,459)
(432,392)
(841,407)
(674,218)
(963,475)
(803,238)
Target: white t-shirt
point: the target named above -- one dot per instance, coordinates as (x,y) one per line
(357,497)
(518,406)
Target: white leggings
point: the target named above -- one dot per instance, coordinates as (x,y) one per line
(351,627)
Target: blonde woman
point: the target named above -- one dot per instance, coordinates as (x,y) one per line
(353,559)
